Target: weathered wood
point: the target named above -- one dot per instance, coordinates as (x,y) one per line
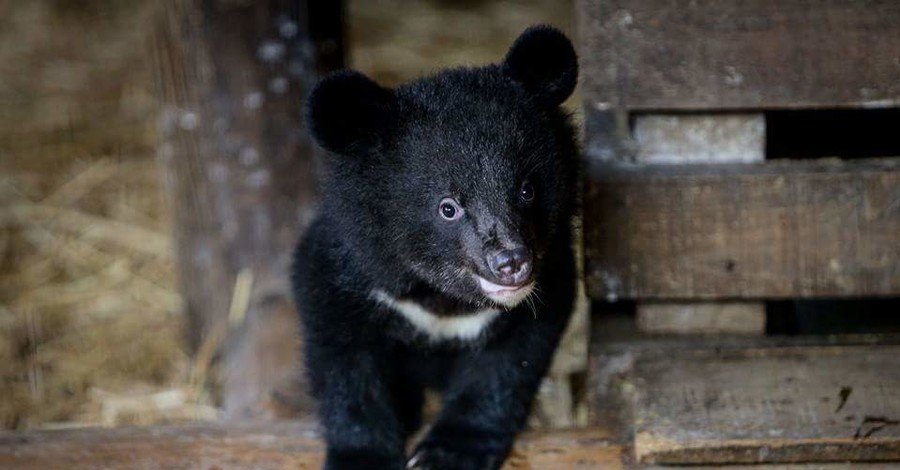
(619,351)
(703,138)
(239,176)
(617,344)
(739,54)
(700,138)
(702,318)
(769,405)
(273,446)
(778,230)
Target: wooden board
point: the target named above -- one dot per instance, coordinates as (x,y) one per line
(769,405)
(739,54)
(279,446)
(774,230)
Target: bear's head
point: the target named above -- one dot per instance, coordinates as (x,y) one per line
(460,180)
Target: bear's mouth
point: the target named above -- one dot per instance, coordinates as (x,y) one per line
(508,296)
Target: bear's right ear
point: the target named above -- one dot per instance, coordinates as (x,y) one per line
(348,113)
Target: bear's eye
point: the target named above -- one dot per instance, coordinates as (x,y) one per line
(526,192)
(449,209)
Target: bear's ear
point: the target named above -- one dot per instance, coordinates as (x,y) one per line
(348,113)
(543,60)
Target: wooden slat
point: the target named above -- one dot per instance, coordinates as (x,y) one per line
(775,230)
(280,446)
(771,405)
(739,54)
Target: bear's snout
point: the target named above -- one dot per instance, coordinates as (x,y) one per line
(512,267)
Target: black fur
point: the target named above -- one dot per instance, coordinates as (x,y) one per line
(476,135)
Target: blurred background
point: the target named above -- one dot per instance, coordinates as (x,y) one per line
(99,192)
(91,317)
(741,224)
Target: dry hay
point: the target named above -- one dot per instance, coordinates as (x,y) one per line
(90,320)
(90,314)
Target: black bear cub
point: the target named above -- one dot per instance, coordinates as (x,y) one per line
(441,256)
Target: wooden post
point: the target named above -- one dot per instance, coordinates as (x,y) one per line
(707,138)
(239,176)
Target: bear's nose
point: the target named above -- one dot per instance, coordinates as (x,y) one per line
(511,267)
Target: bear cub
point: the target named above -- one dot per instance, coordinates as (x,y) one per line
(441,256)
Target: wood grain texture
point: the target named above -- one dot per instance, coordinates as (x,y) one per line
(274,446)
(617,345)
(769,405)
(739,54)
(778,230)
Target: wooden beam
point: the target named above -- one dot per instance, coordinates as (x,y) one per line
(739,54)
(274,446)
(238,167)
(769,405)
(776,230)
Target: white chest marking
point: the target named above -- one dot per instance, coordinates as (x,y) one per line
(437,327)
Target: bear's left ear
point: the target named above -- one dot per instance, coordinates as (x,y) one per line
(349,114)
(543,60)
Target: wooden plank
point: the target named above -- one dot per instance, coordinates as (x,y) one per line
(769,405)
(617,345)
(774,230)
(739,54)
(202,446)
(703,138)
(275,446)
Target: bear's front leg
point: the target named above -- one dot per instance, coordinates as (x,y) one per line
(356,407)
(489,398)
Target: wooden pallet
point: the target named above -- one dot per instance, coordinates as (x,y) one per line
(685,215)
(680,202)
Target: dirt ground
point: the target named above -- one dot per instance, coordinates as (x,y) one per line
(90,320)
